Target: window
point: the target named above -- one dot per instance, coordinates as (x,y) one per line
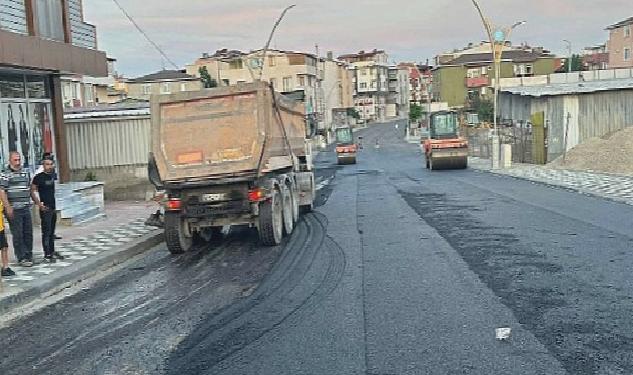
(147,89)
(271,60)
(49,19)
(236,64)
(363,72)
(164,88)
(88,93)
(287,84)
(183,87)
(363,85)
(302,81)
(627,54)
(627,31)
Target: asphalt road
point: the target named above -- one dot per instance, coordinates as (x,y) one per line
(399,271)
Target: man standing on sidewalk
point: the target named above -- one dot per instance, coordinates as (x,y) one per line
(16,182)
(43,194)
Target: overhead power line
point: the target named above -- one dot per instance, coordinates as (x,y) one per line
(140,30)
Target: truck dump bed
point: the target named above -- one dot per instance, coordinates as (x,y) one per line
(239,131)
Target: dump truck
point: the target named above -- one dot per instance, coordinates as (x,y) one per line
(443,147)
(230,156)
(345,147)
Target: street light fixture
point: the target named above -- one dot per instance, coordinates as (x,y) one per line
(497,36)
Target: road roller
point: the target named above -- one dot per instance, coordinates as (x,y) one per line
(444,148)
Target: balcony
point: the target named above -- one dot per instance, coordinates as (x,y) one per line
(477,82)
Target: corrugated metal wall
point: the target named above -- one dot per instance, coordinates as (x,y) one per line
(596,114)
(108,142)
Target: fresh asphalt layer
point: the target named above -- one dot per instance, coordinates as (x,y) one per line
(398,271)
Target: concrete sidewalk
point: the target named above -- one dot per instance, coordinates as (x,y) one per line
(615,187)
(88,248)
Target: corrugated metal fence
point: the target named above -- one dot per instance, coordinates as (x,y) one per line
(108,142)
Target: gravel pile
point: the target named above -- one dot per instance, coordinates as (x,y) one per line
(611,154)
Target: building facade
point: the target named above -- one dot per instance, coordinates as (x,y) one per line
(620,44)
(162,82)
(470,76)
(595,58)
(371,77)
(290,73)
(337,88)
(41,41)
(398,100)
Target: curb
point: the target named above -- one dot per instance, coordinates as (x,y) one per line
(78,272)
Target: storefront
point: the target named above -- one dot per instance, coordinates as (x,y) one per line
(26,117)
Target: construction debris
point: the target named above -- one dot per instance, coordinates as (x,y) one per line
(609,154)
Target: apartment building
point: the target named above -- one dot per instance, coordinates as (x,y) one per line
(371,76)
(337,88)
(595,57)
(620,44)
(460,81)
(41,41)
(399,95)
(162,82)
(292,73)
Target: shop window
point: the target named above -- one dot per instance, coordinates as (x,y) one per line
(12,86)
(37,87)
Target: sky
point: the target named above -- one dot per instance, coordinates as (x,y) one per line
(407,30)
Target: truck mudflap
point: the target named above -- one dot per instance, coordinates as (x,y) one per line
(306,189)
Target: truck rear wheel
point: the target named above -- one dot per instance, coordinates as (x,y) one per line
(287,211)
(295,202)
(175,234)
(271,220)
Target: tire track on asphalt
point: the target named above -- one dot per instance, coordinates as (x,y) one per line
(279,300)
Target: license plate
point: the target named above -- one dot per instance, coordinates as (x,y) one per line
(213,197)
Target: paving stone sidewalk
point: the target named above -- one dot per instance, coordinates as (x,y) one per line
(86,248)
(615,187)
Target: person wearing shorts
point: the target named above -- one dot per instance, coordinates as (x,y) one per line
(4,246)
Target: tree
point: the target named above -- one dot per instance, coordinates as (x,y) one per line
(207,81)
(353,113)
(576,63)
(415,113)
(484,108)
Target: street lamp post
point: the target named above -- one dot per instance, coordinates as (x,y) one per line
(569,55)
(497,36)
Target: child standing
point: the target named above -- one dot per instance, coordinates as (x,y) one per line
(4,246)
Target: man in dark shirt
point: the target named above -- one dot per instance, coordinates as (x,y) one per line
(44,185)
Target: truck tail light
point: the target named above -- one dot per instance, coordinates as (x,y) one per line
(173,204)
(256,195)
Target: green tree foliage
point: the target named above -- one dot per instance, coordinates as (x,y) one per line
(353,113)
(415,113)
(484,108)
(207,81)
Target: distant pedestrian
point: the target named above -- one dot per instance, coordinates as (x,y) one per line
(4,246)
(43,194)
(16,182)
